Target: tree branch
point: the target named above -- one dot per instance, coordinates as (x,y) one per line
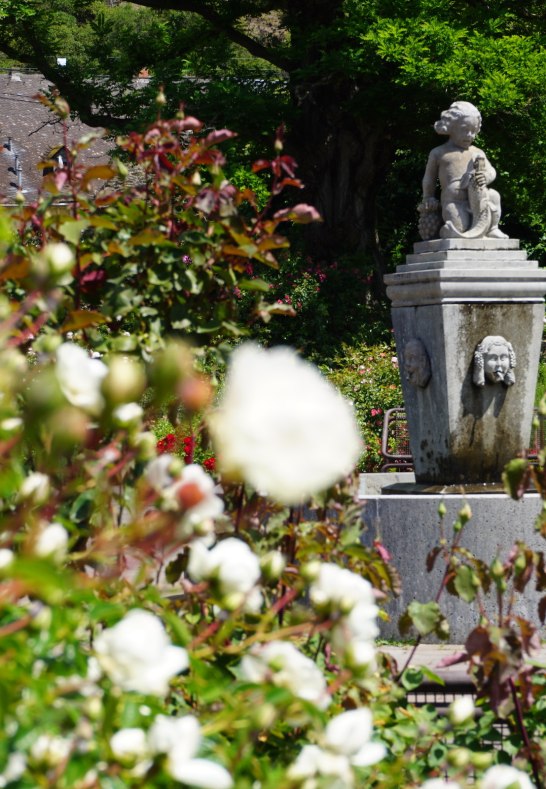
(220,23)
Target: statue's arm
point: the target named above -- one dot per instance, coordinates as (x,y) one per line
(430,178)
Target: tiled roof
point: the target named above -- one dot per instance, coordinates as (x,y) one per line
(28,133)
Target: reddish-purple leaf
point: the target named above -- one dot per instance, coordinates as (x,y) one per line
(218,136)
(452,660)
(301,213)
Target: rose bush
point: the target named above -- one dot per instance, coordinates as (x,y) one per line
(162,623)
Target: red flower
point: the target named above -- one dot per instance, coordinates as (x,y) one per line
(189,446)
(166,444)
(210,464)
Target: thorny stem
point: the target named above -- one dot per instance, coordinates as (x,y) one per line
(240,502)
(447,555)
(525,734)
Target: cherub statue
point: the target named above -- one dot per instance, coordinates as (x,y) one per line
(469,208)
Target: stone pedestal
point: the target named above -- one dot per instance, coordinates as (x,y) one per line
(409,527)
(450,295)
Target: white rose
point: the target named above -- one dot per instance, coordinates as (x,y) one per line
(6,558)
(231,565)
(439,783)
(201,773)
(50,750)
(60,258)
(159,472)
(282,664)
(194,493)
(168,733)
(14,769)
(180,739)
(312,761)
(128,415)
(502,776)
(461,710)
(350,733)
(282,426)
(80,377)
(35,488)
(336,586)
(128,745)
(52,541)
(137,655)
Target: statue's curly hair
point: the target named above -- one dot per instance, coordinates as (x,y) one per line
(459,109)
(479,363)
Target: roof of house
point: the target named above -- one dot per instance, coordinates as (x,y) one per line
(29,132)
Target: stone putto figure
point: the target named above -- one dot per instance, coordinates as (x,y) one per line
(469,209)
(416,363)
(494,361)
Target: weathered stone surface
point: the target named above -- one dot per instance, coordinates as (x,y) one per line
(409,527)
(469,208)
(461,432)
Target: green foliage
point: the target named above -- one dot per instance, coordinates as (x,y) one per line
(164,256)
(369,377)
(355,76)
(96,529)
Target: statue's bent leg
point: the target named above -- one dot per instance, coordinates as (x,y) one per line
(455,215)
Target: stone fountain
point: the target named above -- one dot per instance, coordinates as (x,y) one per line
(468,314)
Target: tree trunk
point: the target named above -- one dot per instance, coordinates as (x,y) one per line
(344,158)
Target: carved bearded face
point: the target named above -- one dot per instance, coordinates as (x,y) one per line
(496,363)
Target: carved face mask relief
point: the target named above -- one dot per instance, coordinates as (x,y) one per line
(416,363)
(494,361)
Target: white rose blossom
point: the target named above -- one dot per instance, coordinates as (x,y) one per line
(35,488)
(502,776)
(282,426)
(232,567)
(136,654)
(80,377)
(350,600)
(50,750)
(52,542)
(14,769)
(128,415)
(280,663)
(346,744)
(179,739)
(461,710)
(186,488)
(129,745)
(160,472)
(6,558)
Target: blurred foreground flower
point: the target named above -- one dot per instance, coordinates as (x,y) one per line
(179,739)
(80,377)
(282,427)
(186,488)
(347,744)
(52,542)
(349,600)
(137,655)
(232,569)
(502,776)
(280,663)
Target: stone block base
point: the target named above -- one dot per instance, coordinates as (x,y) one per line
(409,527)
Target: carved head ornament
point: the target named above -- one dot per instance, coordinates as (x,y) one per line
(494,361)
